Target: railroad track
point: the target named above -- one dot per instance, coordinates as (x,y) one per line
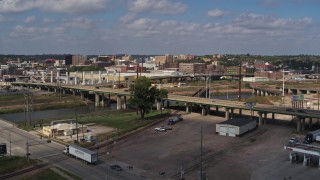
(17,173)
(210,157)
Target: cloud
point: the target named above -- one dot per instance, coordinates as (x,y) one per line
(29,19)
(217,13)
(265,23)
(48,20)
(157,6)
(63,6)
(80,22)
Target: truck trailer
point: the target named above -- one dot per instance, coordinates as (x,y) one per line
(81,153)
(311,136)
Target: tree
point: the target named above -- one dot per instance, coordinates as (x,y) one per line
(143,95)
(161,94)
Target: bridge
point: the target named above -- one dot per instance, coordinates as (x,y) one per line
(206,104)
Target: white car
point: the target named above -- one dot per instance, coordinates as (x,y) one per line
(160,129)
(293,141)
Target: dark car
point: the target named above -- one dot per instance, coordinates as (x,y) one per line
(301,111)
(116,167)
(290,109)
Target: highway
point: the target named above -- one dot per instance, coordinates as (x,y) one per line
(187,99)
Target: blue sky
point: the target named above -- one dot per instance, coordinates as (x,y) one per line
(265,27)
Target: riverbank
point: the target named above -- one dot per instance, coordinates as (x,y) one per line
(17,102)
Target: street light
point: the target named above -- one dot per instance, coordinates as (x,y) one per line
(282,99)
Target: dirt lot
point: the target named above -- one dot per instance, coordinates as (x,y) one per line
(256,155)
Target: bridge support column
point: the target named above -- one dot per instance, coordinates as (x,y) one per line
(187,108)
(168,104)
(74,92)
(292,157)
(260,118)
(310,123)
(306,160)
(265,118)
(108,100)
(97,100)
(102,100)
(75,78)
(240,112)
(99,81)
(158,105)
(303,124)
(272,116)
(51,76)
(67,76)
(217,108)
(227,114)
(124,105)
(118,102)
(82,95)
(83,78)
(232,113)
(91,78)
(298,124)
(204,111)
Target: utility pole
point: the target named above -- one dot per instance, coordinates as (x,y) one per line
(240,65)
(10,143)
(201,168)
(119,79)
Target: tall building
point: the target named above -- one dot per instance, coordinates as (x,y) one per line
(78,59)
(163,59)
(68,59)
(192,68)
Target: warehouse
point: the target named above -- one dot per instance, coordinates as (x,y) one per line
(235,127)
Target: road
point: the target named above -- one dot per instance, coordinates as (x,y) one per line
(52,153)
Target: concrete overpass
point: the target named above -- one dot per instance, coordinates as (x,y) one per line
(206,104)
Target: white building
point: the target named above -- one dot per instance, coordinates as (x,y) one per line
(235,127)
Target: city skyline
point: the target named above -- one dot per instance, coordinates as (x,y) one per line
(265,27)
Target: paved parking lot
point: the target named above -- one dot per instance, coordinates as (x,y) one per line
(256,155)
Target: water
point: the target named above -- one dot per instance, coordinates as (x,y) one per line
(55,113)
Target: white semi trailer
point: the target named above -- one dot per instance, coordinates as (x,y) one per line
(81,153)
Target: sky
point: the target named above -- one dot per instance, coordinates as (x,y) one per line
(198,27)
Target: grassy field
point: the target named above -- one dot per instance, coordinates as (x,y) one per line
(14,163)
(46,174)
(16,103)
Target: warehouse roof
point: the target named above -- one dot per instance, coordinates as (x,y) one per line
(237,121)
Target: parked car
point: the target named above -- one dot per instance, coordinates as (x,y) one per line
(293,140)
(301,111)
(116,167)
(161,129)
(290,109)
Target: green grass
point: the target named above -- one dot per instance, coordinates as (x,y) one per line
(15,163)
(124,121)
(46,174)
(69,174)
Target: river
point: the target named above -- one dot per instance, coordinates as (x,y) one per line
(55,113)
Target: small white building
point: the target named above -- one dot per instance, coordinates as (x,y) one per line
(235,127)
